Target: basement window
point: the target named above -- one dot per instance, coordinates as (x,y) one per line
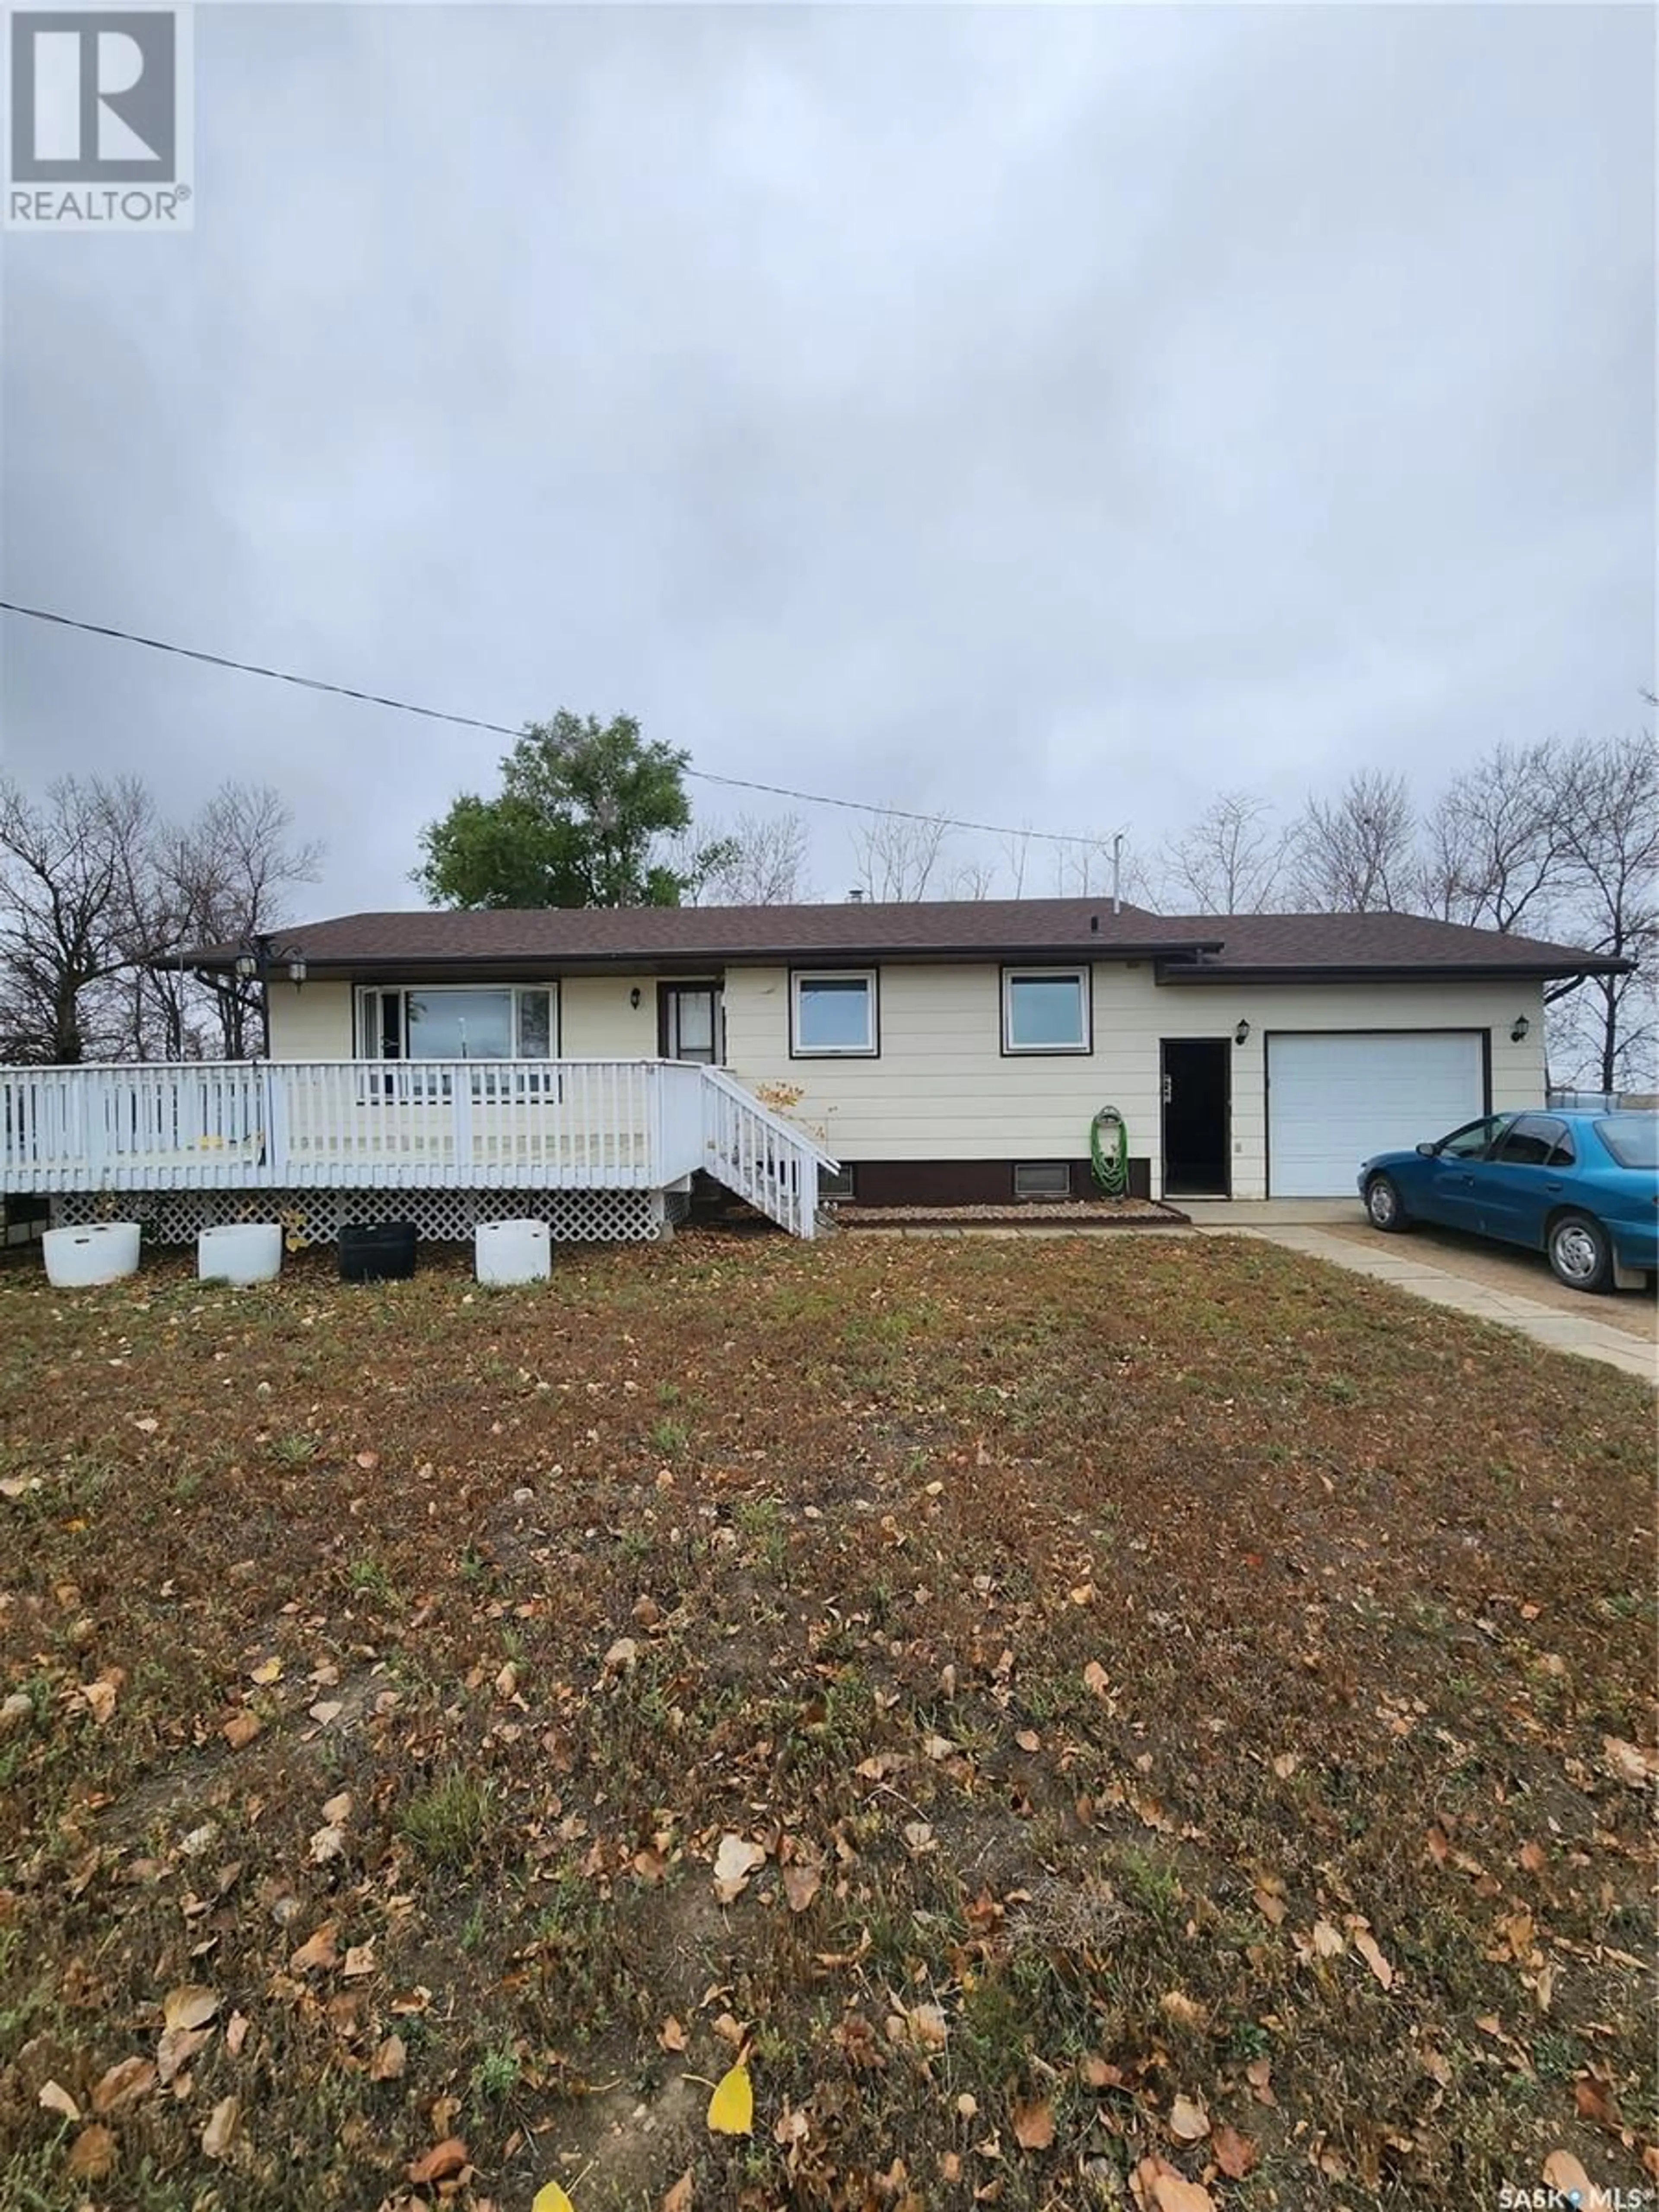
(1043,1179)
(836,1182)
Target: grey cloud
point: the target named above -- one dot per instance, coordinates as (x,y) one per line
(1046,415)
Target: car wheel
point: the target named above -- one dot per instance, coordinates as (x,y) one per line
(1580,1253)
(1383,1206)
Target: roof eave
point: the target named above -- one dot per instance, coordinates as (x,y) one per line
(1398,971)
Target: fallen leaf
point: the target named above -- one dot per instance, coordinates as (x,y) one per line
(1365,1943)
(550,2198)
(1258,2075)
(734,1862)
(1634,1764)
(1189,2121)
(100,1698)
(359,1962)
(325,1710)
(221,2130)
(732,2107)
(327,1843)
(1034,2125)
(1328,1941)
(176,2048)
(1594,2103)
(672,2035)
(801,1884)
(368,1460)
(92,2155)
(188,2006)
(56,2099)
(441,2163)
(388,2061)
(1563,2174)
(236,2033)
(147,1425)
(128,2079)
(1028,1740)
(1161,2189)
(678,2198)
(240,1730)
(317,1952)
(1184,2011)
(621,1655)
(267,1672)
(1096,1680)
(1234,2154)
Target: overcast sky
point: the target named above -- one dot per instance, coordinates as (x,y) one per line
(1048,416)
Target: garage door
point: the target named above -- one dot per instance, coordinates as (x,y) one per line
(1334,1100)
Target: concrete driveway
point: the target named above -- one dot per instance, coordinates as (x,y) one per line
(1493,1282)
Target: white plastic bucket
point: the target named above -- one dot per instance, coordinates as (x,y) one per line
(241,1252)
(101,1252)
(512,1251)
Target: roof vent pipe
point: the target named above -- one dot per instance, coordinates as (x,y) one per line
(1094,924)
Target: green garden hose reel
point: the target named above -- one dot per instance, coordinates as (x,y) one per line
(1109,1149)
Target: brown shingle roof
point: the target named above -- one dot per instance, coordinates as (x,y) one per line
(1187,947)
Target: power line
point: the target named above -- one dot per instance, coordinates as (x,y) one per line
(503,729)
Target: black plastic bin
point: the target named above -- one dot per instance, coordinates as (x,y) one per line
(384,1252)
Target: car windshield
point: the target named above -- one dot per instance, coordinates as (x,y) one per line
(1633,1138)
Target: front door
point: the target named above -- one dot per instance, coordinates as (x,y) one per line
(1197,1077)
(691,1023)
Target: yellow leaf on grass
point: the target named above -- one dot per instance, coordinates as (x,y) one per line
(550,2198)
(732,2107)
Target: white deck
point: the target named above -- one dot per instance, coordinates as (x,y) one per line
(282,1125)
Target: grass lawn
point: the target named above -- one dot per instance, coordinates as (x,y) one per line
(1105,1723)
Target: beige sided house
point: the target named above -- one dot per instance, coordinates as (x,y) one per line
(585,1064)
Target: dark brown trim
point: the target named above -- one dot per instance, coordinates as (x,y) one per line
(370,968)
(1444,1029)
(1436,971)
(666,988)
(1084,968)
(973,1183)
(831,969)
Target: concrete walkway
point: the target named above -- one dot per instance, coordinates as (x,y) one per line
(1396,1262)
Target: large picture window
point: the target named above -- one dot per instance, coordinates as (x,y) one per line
(1046,1009)
(832,1014)
(457,1022)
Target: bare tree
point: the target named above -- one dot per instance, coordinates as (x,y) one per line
(761,862)
(68,924)
(1609,826)
(1229,861)
(1355,854)
(1495,849)
(220,879)
(973,879)
(897,855)
(1016,850)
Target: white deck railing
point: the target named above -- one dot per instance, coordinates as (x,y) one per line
(275,1124)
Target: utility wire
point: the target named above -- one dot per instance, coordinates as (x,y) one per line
(501,729)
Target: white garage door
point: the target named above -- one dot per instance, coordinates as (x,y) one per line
(1334,1100)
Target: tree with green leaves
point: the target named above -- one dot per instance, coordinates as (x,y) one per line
(582,818)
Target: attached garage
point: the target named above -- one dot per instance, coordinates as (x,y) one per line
(1333,1099)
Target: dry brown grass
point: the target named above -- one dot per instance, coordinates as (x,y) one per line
(1128,1636)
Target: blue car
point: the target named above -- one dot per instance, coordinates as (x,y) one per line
(1585,1188)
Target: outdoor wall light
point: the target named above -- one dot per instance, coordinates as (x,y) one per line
(634,998)
(1519,1030)
(257,956)
(1242,1034)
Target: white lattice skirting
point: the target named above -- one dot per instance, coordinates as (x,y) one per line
(446,1216)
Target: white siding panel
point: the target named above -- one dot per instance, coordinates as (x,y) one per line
(943,1089)
(1332,1101)
(311,1021)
